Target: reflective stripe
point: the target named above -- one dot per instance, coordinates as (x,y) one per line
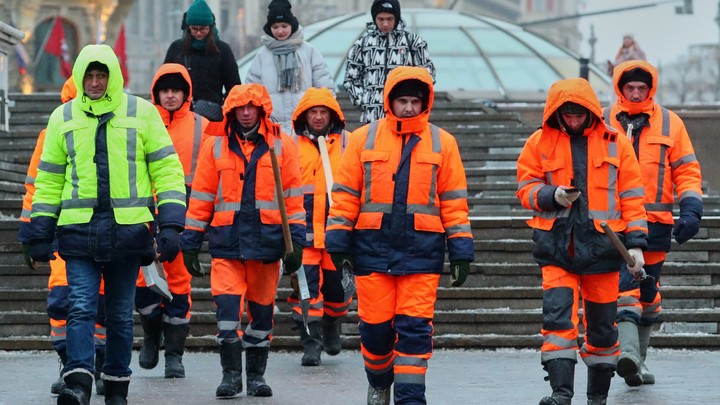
(372,131)
(606,115)
(563,213)
(171,195)
(529,181)
(79,203)
(435,137)
(611,183)
(683,160)
(663,151)
(45,208)
(70,145)
(423,209)
(453,195)
(132,202)
(175,320)
(410,361)
(340,221)
(668,207)
(456,229)
(67,111)
(277,145)
(532,195)
(264,205)
(633,192)
(160,154)
(308,188)
(309,237)
(376,207)
(369,145)
(299,216)
(605,215)
(256,333)
(217,153)
(132,106)
(132,158)
(690,194)
(558,354)
(293,192)
(228,325)
(147,310)
(196,223)
(202,196)
(197,137)
(25,213)
(29,180)
(638,222)
(227,206)
(409,378)
(559,341)
(51,167)
(341,187)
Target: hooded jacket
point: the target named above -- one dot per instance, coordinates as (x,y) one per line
(99,163)
(233,192)
(186,128)
(312,172)
(598,162)
(667,158)
(370,60)
(386,225)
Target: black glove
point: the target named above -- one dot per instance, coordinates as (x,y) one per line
(40,251)
(192,263)
(339,260)
(168,244)
(293,261)
(26,254)
(459,270)
(685,228)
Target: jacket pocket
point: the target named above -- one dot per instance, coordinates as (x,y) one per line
(428,223)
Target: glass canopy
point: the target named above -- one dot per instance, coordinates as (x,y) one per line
(480,56)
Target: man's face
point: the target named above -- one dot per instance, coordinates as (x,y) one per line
(171,99)
(247,115)
(635,91)
(574,121)
(385,22)
(95,83)
(318,118)
(281,31)
(199,31)
(406,106)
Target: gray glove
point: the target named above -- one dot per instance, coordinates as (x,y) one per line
(565,198)
(637,254)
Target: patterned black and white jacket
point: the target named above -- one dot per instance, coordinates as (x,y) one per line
(372,57)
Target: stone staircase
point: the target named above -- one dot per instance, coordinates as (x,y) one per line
(499,306)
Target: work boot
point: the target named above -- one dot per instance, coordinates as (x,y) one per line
(598,384)
(378,396)
(116,392)
(255,367)
(561,374)
(175,336)
(644,337)
(78,389)
(231,362)
(152,336)
(331,335)
(58,385)
(312,343)
(628,365)
(99,361)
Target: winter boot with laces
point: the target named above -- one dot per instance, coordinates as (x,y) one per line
(312,344)
(59,384)
(598,384)
(231,362)
(78,389)
(561,374)
(378,396)
(255,368)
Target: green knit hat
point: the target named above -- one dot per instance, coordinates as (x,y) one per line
(199,14)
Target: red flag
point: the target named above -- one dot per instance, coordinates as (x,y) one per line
(57,45)
(122,55)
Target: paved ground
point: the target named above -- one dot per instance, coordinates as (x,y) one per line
(454,377)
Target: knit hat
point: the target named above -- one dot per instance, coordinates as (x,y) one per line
(386,6)
(199,14)
(279,11)
(637,74)
(95,65)
(569,107)
(410,87)
(171,81)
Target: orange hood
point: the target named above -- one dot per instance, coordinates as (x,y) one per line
(243,94)
(627,105)
(166,69)
(419,122)
(317,97)
(577,91)
(69,91)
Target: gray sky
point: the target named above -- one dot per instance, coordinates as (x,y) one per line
(662,34)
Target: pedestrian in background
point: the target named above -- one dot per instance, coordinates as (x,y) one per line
(574,173)
(394,236)
(384,45)
(669,168)
(286,64)
(629,50)
(103,153)
(233,198)
(209,60)
(318,118)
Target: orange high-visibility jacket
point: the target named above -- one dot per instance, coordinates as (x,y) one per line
(233,192)
(311,168)
(667,158)
(605,170)
(181,123)
(68,92)
(400,195)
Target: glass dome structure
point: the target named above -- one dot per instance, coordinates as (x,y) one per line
(475,56)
